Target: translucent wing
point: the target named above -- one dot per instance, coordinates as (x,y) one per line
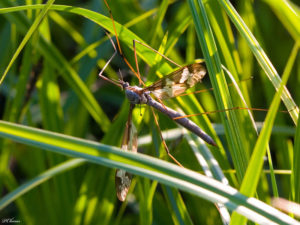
(178,81)
(129,143)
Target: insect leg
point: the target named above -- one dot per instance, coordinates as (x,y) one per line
(106,64)
(136,62)
(163,141)
(119,46)
(162,55)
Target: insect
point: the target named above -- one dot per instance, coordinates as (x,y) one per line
(169,86)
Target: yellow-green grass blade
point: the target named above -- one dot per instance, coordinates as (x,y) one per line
(52,54)
(157,29)
(11,184)
(218,81)
(261,57)
(28,35)
(252,175)
(125,35)
(229,55)
(289,15)
(210,167)
(12,114)
(43,177)
(71,30)
(93,45)
(176,205)
(295,181)
(146,166)
(146,189)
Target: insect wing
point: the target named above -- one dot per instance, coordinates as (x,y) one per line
(178,81)
(129,143)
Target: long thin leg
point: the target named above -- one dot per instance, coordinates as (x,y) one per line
(106,64)
(147,46)
(137,73)
(119,46)
(163,141)
(113,22)
(225,110)
(136,61)
(211,89)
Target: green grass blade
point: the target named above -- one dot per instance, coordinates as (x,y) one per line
(28,35)
(176,206)
(261,57)
(125,35)
(57,59)
(210,167)
(252,175)
(157,26)
(65,83)
(296,166)
(289,15)
(143,165)
(217,79)
(29,185)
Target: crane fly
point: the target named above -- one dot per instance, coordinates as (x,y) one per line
(170,86)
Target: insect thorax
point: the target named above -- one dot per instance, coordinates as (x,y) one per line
(135,95)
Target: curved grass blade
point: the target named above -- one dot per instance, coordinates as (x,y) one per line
(252,175)
(125,35)
(57,59)
(146,166)
(28,35)
(50,173)
(213,63)
(289,15)
(261,57)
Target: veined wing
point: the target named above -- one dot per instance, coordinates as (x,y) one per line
(178,81)
(129,143)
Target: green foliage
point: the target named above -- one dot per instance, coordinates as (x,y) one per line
(50,56)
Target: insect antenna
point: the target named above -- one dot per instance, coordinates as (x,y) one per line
(121,75)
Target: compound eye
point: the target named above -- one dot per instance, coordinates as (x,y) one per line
(125,84)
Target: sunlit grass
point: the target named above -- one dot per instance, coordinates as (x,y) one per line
(60,58)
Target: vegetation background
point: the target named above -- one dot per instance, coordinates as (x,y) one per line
(49,81)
